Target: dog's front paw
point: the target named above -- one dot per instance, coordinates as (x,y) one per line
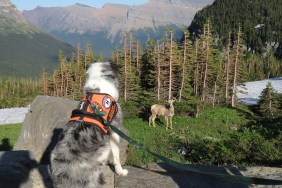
(122,172)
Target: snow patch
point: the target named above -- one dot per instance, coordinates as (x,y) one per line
(13,115)
(255,88)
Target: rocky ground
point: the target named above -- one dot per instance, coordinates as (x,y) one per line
(162,176)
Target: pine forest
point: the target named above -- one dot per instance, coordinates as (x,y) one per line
(197,72)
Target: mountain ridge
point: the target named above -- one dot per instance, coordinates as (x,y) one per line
(110,21)
(26,50)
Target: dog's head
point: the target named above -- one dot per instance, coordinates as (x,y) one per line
(102,77)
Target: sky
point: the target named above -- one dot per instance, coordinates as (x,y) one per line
(31,4)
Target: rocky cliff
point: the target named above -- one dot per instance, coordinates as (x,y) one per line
(78,23)
(113,18)
(12,21)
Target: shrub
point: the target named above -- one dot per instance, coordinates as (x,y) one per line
(237,148)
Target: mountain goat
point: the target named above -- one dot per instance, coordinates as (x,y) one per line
(161,110)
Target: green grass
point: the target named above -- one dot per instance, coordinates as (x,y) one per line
(8,135)
(166,143)
(210,139)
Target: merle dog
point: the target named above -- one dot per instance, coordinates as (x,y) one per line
(83,148)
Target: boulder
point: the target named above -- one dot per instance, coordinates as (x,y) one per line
(43,125)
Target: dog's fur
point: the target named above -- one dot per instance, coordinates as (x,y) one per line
(78,158)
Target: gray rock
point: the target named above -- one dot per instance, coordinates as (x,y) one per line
(264,172)
(43,124)
(162,175)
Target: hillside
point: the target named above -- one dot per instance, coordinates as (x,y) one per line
(25,50)
(260,21)
(104,27)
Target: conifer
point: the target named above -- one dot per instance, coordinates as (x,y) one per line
(269,104)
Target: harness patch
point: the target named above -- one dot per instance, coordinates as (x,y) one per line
(107,102)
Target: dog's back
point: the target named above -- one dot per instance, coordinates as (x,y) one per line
(78,158)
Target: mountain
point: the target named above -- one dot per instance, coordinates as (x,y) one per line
(260,21)
(104,27)
(25,50)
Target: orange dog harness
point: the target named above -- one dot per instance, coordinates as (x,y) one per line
(97,109)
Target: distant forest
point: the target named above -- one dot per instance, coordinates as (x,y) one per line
(199,72)
(260,21)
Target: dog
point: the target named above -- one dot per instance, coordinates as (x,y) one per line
(83,148)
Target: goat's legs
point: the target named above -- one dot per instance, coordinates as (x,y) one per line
(152,119)
(166,120)
(170,121)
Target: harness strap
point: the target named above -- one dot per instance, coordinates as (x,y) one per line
(91,121)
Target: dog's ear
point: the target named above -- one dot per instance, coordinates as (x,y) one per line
(114,67)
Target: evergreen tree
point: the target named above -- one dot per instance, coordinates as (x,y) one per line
(269,103)
(149,73)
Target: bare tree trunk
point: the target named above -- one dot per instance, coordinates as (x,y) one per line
(196,72)
(236,69)
(170,68)
(45,83)
(78,76)
(130,49)
(183,66)
(227,69)
(214,92)
(67,85)
(137,58)
(159,70)
(55,86)
(125,68)
(206,63)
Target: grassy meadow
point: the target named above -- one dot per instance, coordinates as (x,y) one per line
(220,136)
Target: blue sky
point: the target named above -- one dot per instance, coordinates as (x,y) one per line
(31,4)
